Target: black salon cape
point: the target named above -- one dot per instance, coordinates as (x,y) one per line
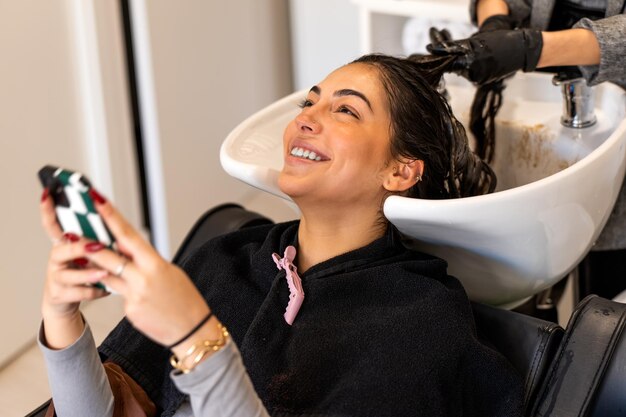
(383,331)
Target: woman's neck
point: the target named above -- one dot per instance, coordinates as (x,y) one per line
(321,237)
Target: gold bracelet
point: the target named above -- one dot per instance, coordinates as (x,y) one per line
(200,349)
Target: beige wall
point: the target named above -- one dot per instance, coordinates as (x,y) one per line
(38,124)
(214,64)
(44,119)
(317,52)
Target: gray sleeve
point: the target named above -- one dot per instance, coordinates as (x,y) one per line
(77,378)
(518,10)
(220,386)
(611,35)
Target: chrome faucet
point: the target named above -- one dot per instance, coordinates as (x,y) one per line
(578,100)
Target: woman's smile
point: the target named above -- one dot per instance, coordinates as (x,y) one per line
(301,150)
(305,154)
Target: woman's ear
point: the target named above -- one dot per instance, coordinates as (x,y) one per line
(403,174)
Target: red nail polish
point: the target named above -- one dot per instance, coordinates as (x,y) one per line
(72,237)
(45,194)
(94,247)
(97,197)
(81,262)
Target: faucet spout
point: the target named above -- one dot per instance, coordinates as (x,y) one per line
(578,101)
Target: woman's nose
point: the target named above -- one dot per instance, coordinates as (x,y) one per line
(307,122)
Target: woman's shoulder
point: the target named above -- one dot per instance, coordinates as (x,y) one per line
(428,286)
(246,240)
(435,269)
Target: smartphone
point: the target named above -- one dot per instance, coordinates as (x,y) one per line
(74,207)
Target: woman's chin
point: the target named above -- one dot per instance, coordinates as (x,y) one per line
(292,185)
(285,184)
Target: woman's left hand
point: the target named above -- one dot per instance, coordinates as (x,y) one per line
(160,299)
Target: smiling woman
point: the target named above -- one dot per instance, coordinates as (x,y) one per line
(348,322)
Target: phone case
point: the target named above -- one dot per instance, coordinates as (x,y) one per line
(74,207)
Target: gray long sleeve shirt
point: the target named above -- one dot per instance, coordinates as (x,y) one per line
(218,386)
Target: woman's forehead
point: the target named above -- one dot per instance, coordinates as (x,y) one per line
(358,76)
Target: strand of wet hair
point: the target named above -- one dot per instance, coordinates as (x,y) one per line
(485,107)
(470,173)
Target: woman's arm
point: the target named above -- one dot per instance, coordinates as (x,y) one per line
(164,304)
(64,287)
(519,10)
(160,300)
(80,384)
(76,376)
(569,47)
(220,386)
(487,8)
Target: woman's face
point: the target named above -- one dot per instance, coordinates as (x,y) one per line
(338,147)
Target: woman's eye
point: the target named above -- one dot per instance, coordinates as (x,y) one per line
(305,103)
(347,110)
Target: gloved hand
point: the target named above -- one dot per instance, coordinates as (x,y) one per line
(489,56)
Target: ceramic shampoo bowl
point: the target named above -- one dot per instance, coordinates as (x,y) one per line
(556,188)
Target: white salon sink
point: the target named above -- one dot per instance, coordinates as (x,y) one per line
(556,188)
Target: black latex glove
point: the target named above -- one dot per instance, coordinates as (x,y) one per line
(490,56)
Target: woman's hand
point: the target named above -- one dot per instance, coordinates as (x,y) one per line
(160,299)
(69,280)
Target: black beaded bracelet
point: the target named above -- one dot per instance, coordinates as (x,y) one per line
(195,329)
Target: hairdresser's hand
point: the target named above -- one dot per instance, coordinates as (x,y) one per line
(160,299)
(69,279)
(490,56)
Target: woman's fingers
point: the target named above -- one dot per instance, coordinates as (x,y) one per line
(121,270)
(116,264)
(126,235)
(71,277)
(76,294)
(48,217)
(75,248)
(116,284)
(66,288)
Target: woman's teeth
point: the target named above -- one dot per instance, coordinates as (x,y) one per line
(305,154)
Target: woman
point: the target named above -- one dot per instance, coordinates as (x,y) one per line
(381,331)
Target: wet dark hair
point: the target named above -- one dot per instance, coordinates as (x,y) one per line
(423,127)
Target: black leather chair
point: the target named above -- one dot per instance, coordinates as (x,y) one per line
(527,342)
(580,371)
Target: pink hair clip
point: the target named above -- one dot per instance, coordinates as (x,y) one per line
(296,293)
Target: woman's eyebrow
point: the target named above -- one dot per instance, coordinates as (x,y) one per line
(349,92)
(345,92)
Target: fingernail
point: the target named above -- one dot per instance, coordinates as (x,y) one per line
(72,237)
(94,247)
(81,262)
(97,197)
(45,194)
